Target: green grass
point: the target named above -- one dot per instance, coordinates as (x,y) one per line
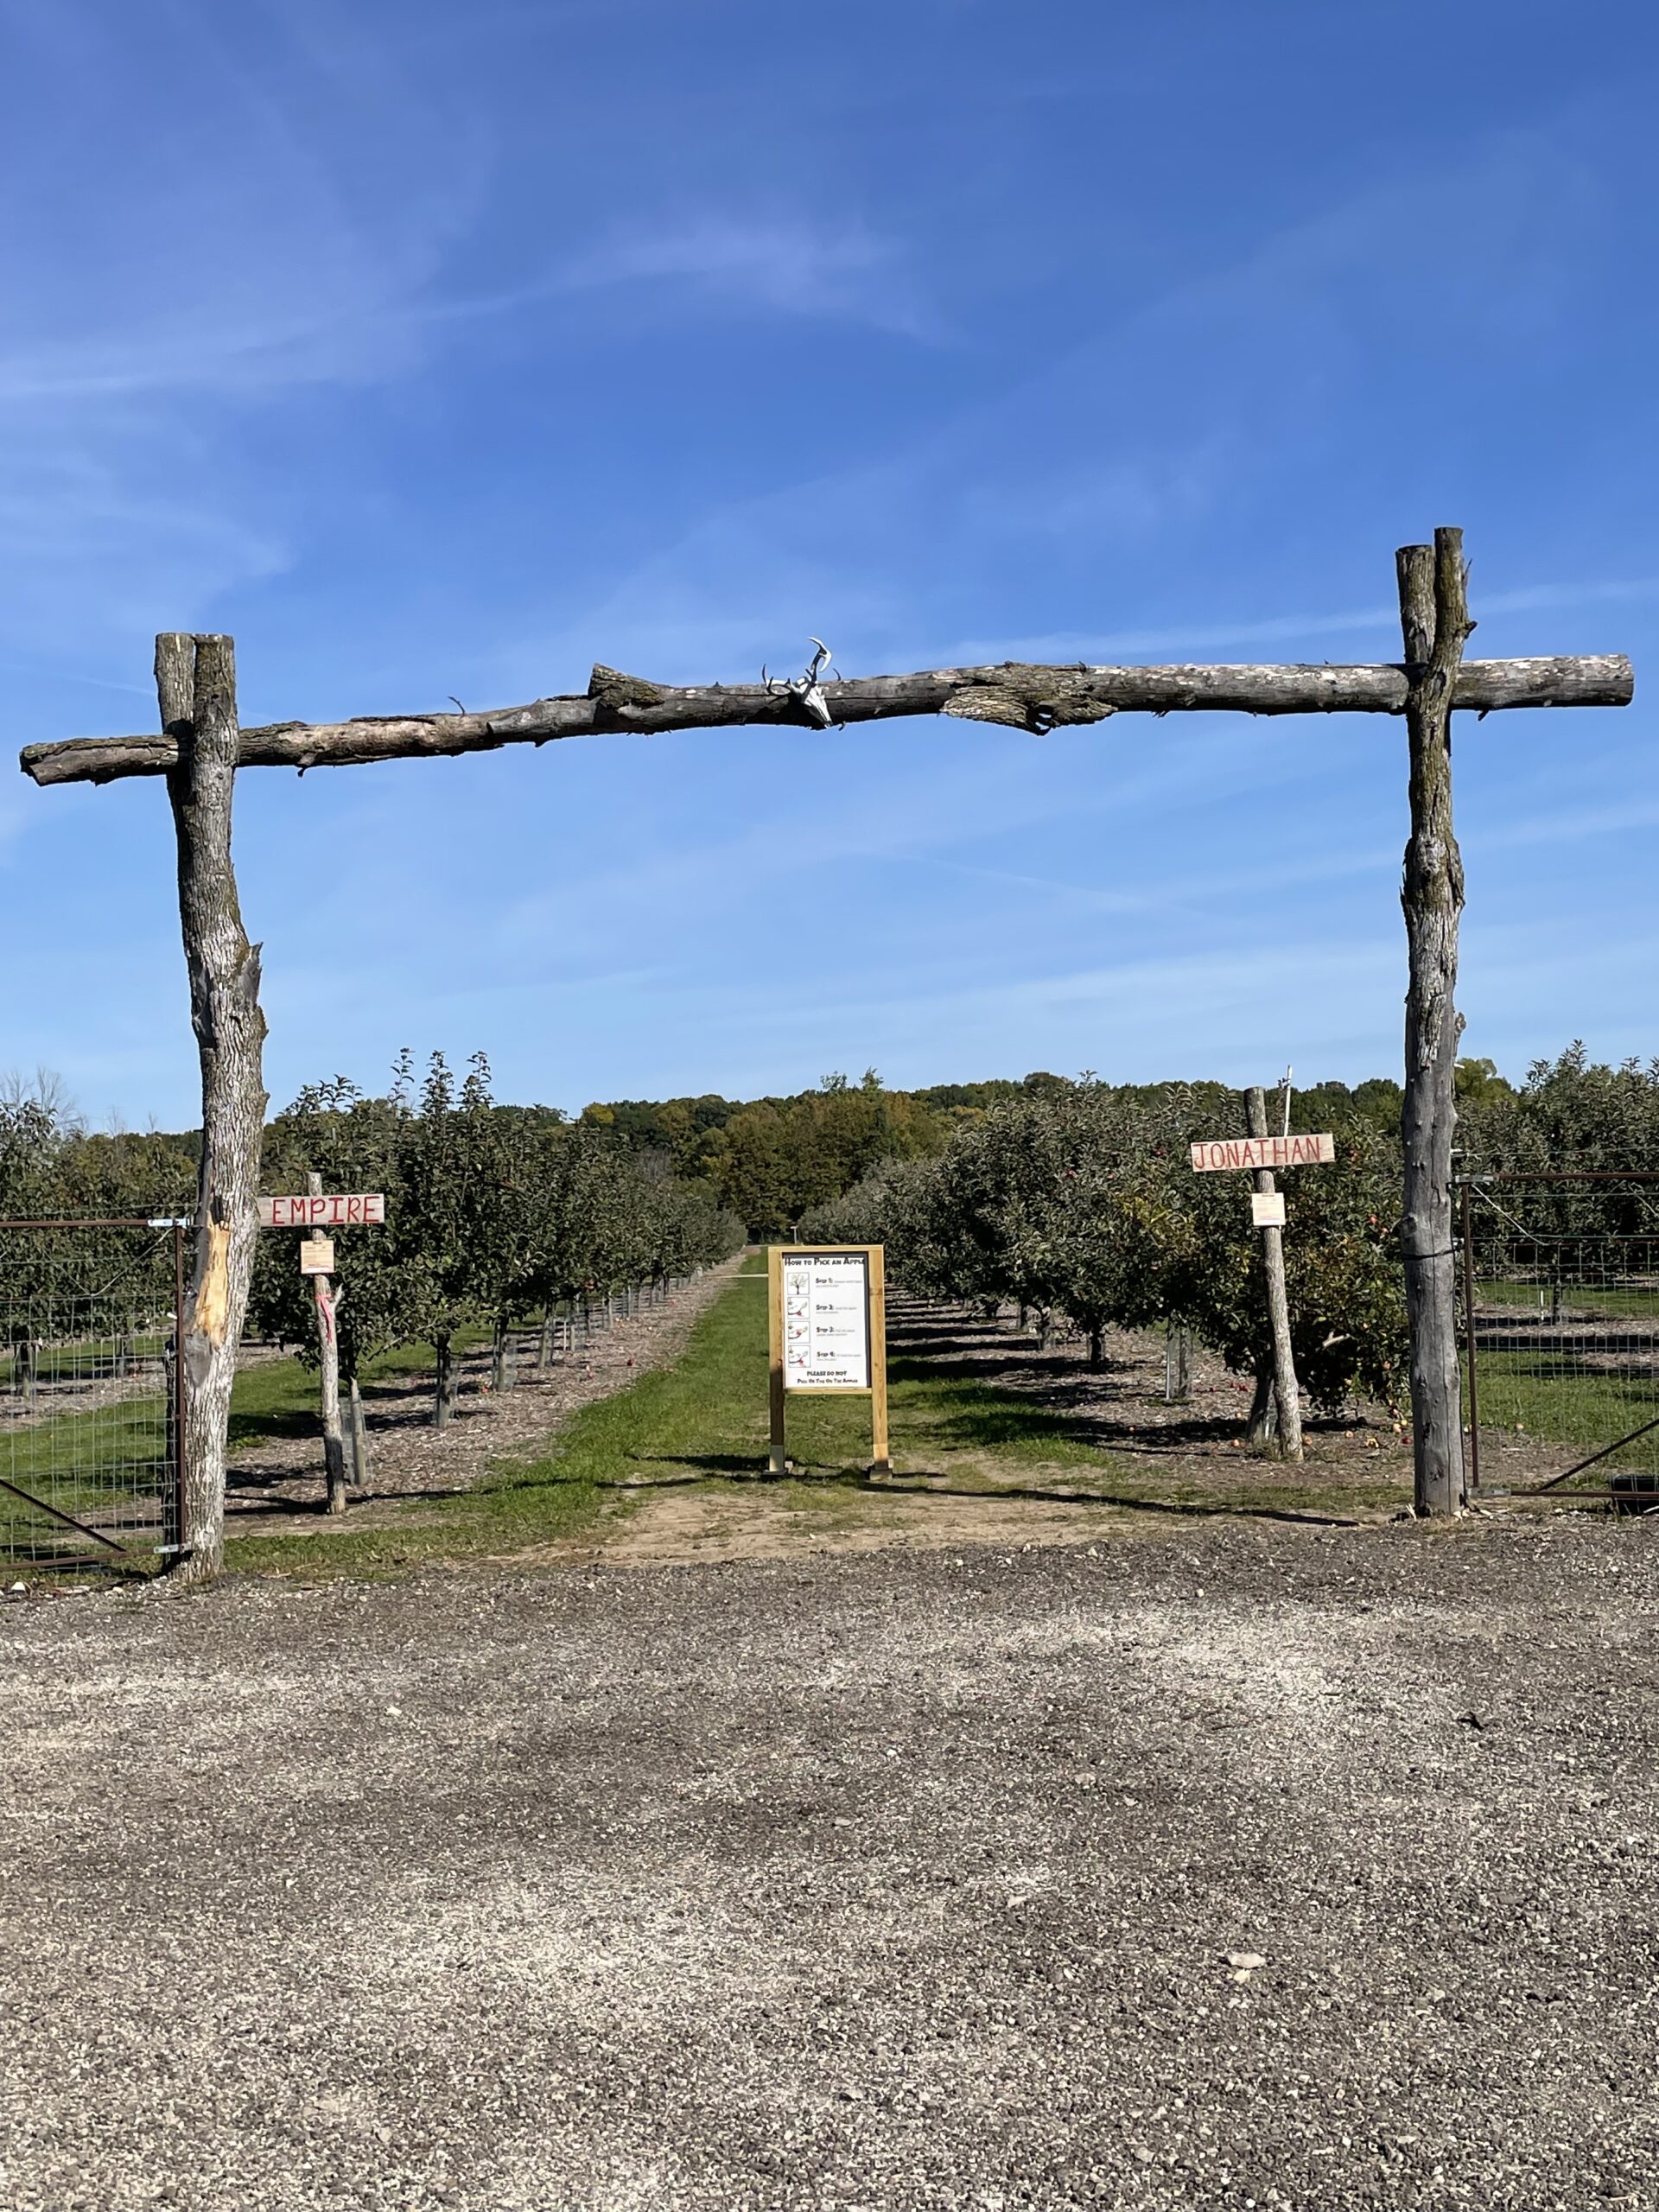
(278,1398)
(89,1463)
(1552,1403)
(702,1425)
(82,1358)
(1576,1298)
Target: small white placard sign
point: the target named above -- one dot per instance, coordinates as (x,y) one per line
(1267,1209)
(317,1256)
(826,1321)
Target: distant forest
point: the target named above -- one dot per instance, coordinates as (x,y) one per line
(771,1160)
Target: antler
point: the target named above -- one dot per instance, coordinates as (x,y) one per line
(806,691)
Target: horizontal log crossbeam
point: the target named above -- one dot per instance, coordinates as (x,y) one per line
(1019,694)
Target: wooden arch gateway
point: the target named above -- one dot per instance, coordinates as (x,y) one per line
(200,745)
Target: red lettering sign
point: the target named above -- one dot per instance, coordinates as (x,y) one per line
(1299,1151)
(358,1209)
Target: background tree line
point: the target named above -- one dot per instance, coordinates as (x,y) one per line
(1078,1200)
(1072,1198)
(495,1214)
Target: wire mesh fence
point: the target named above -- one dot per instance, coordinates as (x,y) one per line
(89,1388)
(1560,1276)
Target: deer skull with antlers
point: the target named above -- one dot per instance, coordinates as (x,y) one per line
(807,691)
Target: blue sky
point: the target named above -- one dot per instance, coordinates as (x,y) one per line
(442,349)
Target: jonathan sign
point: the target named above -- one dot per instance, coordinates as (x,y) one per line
(1265,1152)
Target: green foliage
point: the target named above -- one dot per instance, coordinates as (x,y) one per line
(1079,1199)
(493,1212)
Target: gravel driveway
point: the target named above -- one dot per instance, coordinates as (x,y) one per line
(898,1880)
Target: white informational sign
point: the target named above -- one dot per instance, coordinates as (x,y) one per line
(826,1321)
(364,1209)
(1267,1209)
(1265,1152)
(317,1256)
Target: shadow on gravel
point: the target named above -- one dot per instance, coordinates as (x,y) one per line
(1032,1493)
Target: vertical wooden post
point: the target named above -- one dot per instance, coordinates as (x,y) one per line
(333,1445)
(1434,621)
(775,1458)
(880,1460)
(1285,1391)
(195,680)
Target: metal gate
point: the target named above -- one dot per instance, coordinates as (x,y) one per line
(91,1315)
(1560,1300)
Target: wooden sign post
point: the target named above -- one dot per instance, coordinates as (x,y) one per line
(314,1212)
(827,1309)
(1262,1154)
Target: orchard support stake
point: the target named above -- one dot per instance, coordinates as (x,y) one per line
(360,1466)
(1434,618)
(196,682)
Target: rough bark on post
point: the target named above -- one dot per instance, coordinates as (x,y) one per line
(1434,618)
(195,680)
(334,1443)
(1287,1396)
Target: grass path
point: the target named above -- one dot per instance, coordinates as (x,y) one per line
(693,1437)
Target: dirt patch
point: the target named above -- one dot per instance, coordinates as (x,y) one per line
(277,1488)
(702,1527)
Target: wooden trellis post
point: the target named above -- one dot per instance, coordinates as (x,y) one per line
(201,747)
(195,680)
(1434,618)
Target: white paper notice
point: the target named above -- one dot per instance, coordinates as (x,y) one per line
(826,1321)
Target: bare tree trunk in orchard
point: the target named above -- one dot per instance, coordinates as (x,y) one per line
(359,1439)
(333,1445)
(1178,1362)
(195,680)
(545,1351)
(1096,1348)
(1285,1393)
(443,1398)
(503,1371)
(1259,1424)
(1434,618)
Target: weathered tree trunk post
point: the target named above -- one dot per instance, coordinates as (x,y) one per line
(1434,618)
(1285,1394)
(334,1443)
(195,680)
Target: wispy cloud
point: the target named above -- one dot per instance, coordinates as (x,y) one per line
(1061,645)
(777,260)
